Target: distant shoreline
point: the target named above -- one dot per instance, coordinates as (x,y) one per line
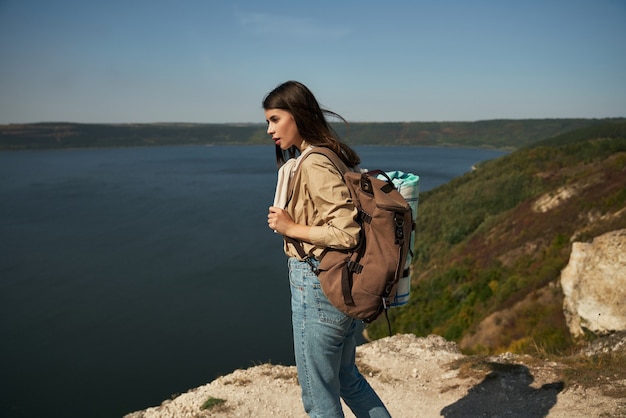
(505,134)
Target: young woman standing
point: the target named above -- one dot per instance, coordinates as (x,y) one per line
(319,214)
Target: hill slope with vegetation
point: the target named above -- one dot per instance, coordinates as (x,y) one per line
(496,239)
(503,134)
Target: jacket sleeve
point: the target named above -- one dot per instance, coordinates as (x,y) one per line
(334,222)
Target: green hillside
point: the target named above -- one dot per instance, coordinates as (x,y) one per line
(74,135)
(503,134)
(493,242)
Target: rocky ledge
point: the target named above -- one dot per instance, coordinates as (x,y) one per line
(421,377)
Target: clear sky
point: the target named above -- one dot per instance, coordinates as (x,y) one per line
(212,61)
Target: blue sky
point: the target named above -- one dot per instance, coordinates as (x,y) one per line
(212,61)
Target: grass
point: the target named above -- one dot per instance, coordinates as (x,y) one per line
(212,402)
(605,371)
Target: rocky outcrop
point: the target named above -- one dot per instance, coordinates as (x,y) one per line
(594,285)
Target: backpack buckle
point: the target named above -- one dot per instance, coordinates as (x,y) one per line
(366,184)
(355,267)
(399,228)
(309,261)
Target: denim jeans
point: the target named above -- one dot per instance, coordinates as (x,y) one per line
(324,344)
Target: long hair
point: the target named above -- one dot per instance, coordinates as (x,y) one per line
(295,98)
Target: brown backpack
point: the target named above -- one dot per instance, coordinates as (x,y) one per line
(361,282)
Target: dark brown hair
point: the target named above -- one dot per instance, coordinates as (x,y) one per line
(297,99)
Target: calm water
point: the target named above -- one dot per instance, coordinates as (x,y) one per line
(130,275)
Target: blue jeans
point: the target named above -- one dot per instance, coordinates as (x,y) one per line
(325,350)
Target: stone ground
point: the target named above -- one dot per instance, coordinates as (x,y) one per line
(415,377)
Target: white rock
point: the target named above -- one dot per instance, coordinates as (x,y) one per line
(594,285)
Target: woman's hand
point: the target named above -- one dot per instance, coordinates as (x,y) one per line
(280,221)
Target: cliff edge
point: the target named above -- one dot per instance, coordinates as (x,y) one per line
(429,377)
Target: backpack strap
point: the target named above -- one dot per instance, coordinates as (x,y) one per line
(330,154)
(333,157)
(338,163)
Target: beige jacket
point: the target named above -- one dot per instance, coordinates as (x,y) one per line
(321,200)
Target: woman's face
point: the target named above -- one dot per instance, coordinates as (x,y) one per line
(281,126)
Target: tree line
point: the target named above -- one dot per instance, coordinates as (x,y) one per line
(502,134)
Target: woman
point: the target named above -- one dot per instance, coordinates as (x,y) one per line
(319,214)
